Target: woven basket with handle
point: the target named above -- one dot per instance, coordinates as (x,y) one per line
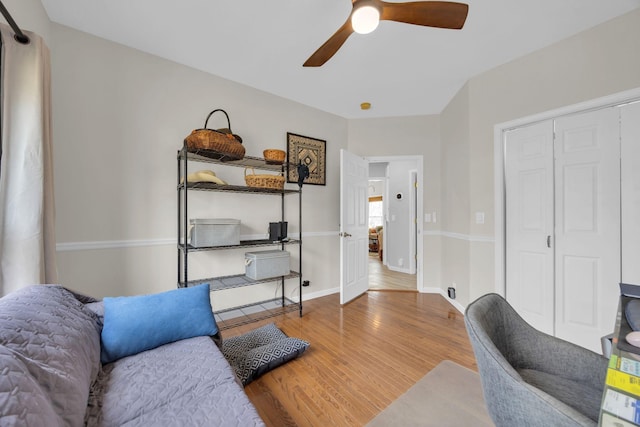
(222,141)
(275,182)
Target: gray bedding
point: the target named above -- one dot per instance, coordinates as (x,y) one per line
(51,345)
(50,372)
(187,383)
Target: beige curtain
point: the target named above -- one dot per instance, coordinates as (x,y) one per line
(27,219)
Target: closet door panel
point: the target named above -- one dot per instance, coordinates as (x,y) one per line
(587,209)
(630,131)
(529,222)
(580,291)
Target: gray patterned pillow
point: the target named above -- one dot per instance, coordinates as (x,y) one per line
(261,350)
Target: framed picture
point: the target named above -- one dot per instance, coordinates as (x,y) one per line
(309,151)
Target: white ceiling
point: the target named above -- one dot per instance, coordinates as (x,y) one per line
(400,69)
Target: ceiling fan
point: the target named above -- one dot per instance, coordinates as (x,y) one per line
(366,14)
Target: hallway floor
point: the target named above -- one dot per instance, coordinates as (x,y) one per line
(381,278)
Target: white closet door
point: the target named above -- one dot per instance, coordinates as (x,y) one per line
(587,247)
(529,223)
(630,130)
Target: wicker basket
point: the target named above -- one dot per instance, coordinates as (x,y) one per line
(275,182)
(273,156)
(222,141)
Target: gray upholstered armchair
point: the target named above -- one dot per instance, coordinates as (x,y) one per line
(530,378)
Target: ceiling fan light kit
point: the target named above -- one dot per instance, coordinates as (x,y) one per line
(365,18)
(438,14)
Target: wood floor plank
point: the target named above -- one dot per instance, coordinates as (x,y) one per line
(382,278)
(362,357)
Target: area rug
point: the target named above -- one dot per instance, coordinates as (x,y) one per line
(449,395)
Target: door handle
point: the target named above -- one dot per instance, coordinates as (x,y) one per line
(548,241)
(345,235)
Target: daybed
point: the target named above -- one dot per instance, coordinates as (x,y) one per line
(51,372)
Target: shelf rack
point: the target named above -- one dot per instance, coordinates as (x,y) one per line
(234,281)
(237,316)
(244,314)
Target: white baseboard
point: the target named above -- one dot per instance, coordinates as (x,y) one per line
(453,302)
(318,294)
(399,270)
(312,295)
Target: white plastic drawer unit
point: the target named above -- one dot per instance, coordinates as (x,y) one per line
(214,232)
(266,264)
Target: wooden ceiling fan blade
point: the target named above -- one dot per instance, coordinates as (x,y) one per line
(440,14)
(331,46)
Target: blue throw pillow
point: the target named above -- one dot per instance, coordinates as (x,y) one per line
(139,323)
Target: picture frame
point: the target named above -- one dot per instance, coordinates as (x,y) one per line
(309,151)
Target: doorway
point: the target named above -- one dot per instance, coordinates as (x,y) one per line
(396,262)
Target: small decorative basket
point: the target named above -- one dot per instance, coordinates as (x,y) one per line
(274,182)
(221,141)
(273,156)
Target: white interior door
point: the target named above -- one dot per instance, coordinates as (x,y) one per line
(354,226)
(630,154)
(562,188)
(529,223)
(413,228)
(587,247)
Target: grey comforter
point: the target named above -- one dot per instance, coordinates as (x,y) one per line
(50,372)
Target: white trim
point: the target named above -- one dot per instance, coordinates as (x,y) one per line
(460,236)
(454,303)
(326,292)
(123,244)
(112,244)
(468,237)
(400,270)
(318,294)
(419,159)
(616,99)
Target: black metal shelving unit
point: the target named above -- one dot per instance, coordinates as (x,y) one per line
(240,315)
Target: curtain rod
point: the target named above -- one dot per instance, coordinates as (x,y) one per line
(19,36)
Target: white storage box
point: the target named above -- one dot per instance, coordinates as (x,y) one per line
(214,232)
(266,264)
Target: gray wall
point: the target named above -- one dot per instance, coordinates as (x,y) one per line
(120,115)
(592,64)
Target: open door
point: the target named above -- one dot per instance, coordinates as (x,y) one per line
(354,226)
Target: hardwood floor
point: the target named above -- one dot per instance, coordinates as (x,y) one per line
(381,278)
(362,357)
